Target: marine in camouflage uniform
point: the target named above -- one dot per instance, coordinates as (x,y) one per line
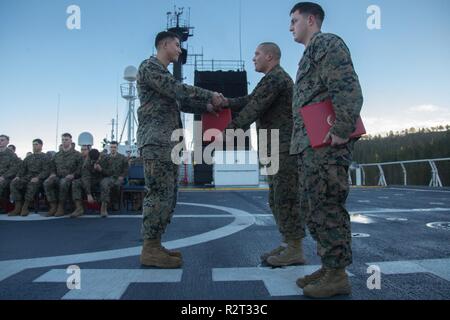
(162,97)
(91,180)
(57,185)
(270,105)
(326,72)
(9,165)
(117,172)
(23,189)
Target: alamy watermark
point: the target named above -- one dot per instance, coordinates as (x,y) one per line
(73,281)
(229,141)
(374,20)
(73,21)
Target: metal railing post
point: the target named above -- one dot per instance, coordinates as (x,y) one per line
(405,178)
(382,179)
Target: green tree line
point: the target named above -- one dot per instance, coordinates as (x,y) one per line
(409,144)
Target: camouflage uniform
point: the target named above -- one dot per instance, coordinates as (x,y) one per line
(270,105)
(162,98)
(92,180)
(326,71)
(9,165)
(64,163)
(117,167)
(35,165)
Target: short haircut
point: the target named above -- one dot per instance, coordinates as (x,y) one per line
(38,141)
(11,146)
(271,47)
(66,135)
(113,142)
(310,8)
(163,35)
(4,136)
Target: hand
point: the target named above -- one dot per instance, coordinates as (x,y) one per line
(90,198)
(121,180)
(52,175)
(97,167)
(70,177)
(211,109)
(15,179)
(218,100)
(335,140)
(34,180)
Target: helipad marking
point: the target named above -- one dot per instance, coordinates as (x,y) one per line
(278,282)
(110,283)
(242,220)
(443,225)
(421,190)
(438,267)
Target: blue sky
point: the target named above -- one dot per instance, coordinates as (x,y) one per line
(403,67)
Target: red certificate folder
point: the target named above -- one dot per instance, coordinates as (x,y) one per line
(211,121)
(319,118)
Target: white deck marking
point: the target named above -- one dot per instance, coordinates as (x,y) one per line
(242,220)
(438,267)
(278,281)
(110,283)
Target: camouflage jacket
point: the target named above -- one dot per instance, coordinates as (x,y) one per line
(35,165)
(67,162)
(162,97)
(326,72)
(270,104)
(9,164)
(118,165)
(89,175)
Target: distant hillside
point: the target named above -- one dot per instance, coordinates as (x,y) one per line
(411,144)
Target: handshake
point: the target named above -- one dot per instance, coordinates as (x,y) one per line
(217,103)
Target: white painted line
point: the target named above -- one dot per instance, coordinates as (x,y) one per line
(421,190)
(383,197)
(438,267)
(359,218)
(279,282)
(242,220)
(389,210)
(364,201)
(436,203)
(109,283)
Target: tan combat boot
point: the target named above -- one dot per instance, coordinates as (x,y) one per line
(292,255)
(273,252)
(104,210)
(60,210)
(25,212)
(52,210)
(316,275)
(153,255)
(173,253)
(17,209)
(79,210)
(333,282)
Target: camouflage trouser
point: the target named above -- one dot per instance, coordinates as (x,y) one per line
(161,182)
(284,199)
(96,184)
(324,175)
(4,187)
(57,189)
(109,185)
(18,187)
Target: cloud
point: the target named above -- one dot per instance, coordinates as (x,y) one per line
(426,108)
